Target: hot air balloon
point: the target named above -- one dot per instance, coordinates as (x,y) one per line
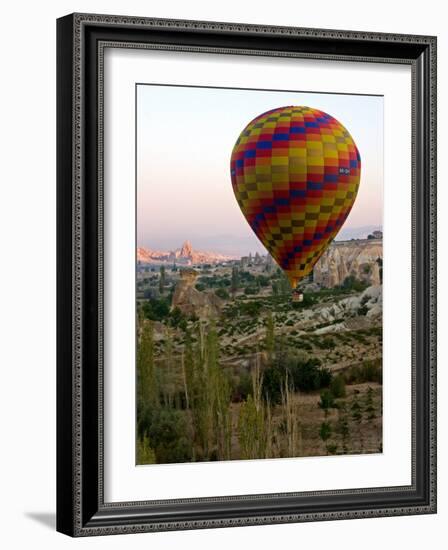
(295,173)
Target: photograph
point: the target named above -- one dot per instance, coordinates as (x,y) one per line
(246,273)
(259,262)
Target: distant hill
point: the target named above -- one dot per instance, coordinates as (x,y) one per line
(185,255)
(348,233)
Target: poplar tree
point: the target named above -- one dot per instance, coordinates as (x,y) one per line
(269,339)
(162,280)
(146,371)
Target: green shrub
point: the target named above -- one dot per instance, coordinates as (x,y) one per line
(363,310)
(156,309)
(250,290)
(325,343)
(369,371)
(222,293)
(167,431)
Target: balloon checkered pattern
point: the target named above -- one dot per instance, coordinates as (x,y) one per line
(295,173)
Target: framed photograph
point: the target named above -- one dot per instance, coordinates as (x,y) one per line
(246,274)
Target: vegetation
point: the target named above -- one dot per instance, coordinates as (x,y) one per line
(256,382)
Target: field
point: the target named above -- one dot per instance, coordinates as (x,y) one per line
(229,367)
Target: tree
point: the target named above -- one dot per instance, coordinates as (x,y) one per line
(342,428)
(325,433)
(234,283)
(168,433)
(188,368)
(222,293)
(370,409)
(290,421)
(272,384)
(356,410)
(148,392)
(156,310)
(307,375)
(167,372)
(357,417)
(337,386)
(162,280)
(254,422)
(208,393)
(326,401)
(269,339)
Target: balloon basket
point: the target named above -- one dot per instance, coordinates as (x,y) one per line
(297,296)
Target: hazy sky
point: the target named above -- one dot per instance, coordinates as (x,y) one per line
(185,136)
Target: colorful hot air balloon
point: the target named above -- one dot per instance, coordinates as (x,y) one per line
(295,174)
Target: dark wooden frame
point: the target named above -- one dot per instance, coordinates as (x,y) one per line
(81,509)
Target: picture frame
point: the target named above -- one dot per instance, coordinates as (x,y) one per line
(81,506)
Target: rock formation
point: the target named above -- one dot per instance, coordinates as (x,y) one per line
(185,255)
(354,312)
(349,258)
(190,301)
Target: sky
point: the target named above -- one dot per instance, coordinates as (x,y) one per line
(185,136)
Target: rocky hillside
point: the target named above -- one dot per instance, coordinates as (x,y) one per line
(185,255)
(353,312)
(361,259)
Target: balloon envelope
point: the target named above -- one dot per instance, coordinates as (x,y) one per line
(295,174)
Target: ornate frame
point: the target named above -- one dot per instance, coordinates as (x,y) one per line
(81,39)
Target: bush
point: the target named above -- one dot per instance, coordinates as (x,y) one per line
(308,375)
(251,308)
(168,433)
(302,344)
(325,343)
(222,293)
(369,371)
(156,309)
(305,374)
(250,290)
(264,281)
